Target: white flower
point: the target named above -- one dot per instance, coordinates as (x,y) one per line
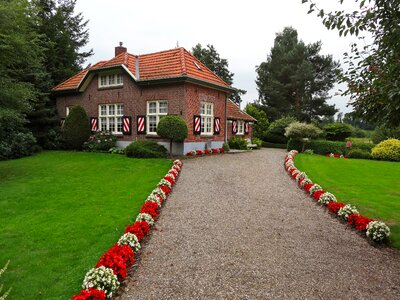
(331,155)
(131,240)
(173,171)
(164,182)
(158,191)
(326,198)
(305,181)
(178,162)
(301,175)
(314,188)
(153,198)
(101,278)
(346,211)
(145,217)
(378,231)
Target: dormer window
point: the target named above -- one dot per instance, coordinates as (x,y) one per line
(110,80)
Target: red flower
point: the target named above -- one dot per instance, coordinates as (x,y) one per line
(294,175)
(221,150)
(140,229)
(335,206)
(207,152)
(165,189)
(301,180)
(308,186)
(90,294)
(173,174)
(318,194)
(171,181)
(358,221)
(336,155)
(199,152)
(189,154)
(214,151)
(150,208)
(117,258)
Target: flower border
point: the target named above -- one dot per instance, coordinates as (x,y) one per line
(372,229)
(102,281)
(212,151)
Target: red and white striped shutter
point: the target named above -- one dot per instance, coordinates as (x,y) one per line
(234,126)
(141,124)
(246,127)
(196,124)
(217,125)
(127,125)
(94,124)
(62,122)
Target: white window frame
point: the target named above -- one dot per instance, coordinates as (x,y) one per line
(68,110)
(206,117)
(105,79)
(158,114)
(115,118)
(240,127)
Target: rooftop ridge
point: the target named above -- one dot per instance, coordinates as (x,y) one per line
(183,62)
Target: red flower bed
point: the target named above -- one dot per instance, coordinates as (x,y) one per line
(300,180)
(199,152)
(335,206)
(90,294)
(118,258)
(170,180)
(150,208)
(308,186)
(207,152)
(221,150)
(294,175)
(214,151)
(165,189)
(318,194)
(358,221)
(140,229)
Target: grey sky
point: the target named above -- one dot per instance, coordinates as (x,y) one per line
(243,32)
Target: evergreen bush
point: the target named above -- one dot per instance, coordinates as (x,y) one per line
(145,149)
(76,129)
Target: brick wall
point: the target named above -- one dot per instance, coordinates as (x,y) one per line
(248,135)
(183,99)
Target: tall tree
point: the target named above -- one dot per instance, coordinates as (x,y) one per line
(373,71)
(210,57)
(296,78)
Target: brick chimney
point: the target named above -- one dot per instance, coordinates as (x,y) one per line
(120,49)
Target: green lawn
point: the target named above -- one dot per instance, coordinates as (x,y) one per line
(373,186)
(60,211)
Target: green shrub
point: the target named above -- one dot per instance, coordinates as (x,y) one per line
(273,145)
(363,146)
(237,143)
(145,149)
(300,131)
(338,131)
(319,146)
(276,131)
(387,150)
(257,141)
(19,145)
(225,146)
(173,128)
(115,150)
(76,129)
(100,142)
(309,151)
(380,134)
(260,128)
(359,153)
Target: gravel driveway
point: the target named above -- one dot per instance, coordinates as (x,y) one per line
(237,227)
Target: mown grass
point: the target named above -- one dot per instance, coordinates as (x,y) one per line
(372,186)
(60,211)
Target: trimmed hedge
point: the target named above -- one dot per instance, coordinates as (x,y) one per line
(273,145)
(145,149)
(359,153)
(237,143)
(324,147)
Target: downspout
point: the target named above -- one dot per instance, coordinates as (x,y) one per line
(137,68)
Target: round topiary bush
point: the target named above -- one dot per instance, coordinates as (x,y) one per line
(173,128)
(338,131)
(145,149)
(276,130)
(76,129)
(387,150)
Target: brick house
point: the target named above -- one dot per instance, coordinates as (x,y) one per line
(128,95)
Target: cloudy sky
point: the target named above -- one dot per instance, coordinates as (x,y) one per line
(243,32)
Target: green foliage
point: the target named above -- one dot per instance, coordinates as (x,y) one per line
(296,78)
(372,186)
(309,152)
(324,147)
(100,142)
(387,150)
(338,131)
(359,153)
(210,57)
(173,128)
(370,70)
(225,146)
(115,150)
(382,133)
(76,129)
(237,142)
(276,131)
(260,128)
(300,131)
(273,145)
(145,149)
(257,141)
(74,206)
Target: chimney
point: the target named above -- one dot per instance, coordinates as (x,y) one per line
(120,49)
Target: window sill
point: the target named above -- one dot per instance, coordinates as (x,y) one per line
(111,87)
(206,134)
(239,133)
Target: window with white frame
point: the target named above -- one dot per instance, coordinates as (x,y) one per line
(207,116)
(110,80)
(110,117)
(240,127)
(155,111)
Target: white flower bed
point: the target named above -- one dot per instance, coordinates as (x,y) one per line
(378,231)
(153,198)
(131,240)
(346,211)
(326,198)
(305,181)
(314,188)
(301,175)
(165,183)
(158,191)
(145,217)
(101,278)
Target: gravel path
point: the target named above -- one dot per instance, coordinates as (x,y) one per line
(237,227)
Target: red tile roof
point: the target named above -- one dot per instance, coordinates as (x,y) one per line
(234,113)
(175,63)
